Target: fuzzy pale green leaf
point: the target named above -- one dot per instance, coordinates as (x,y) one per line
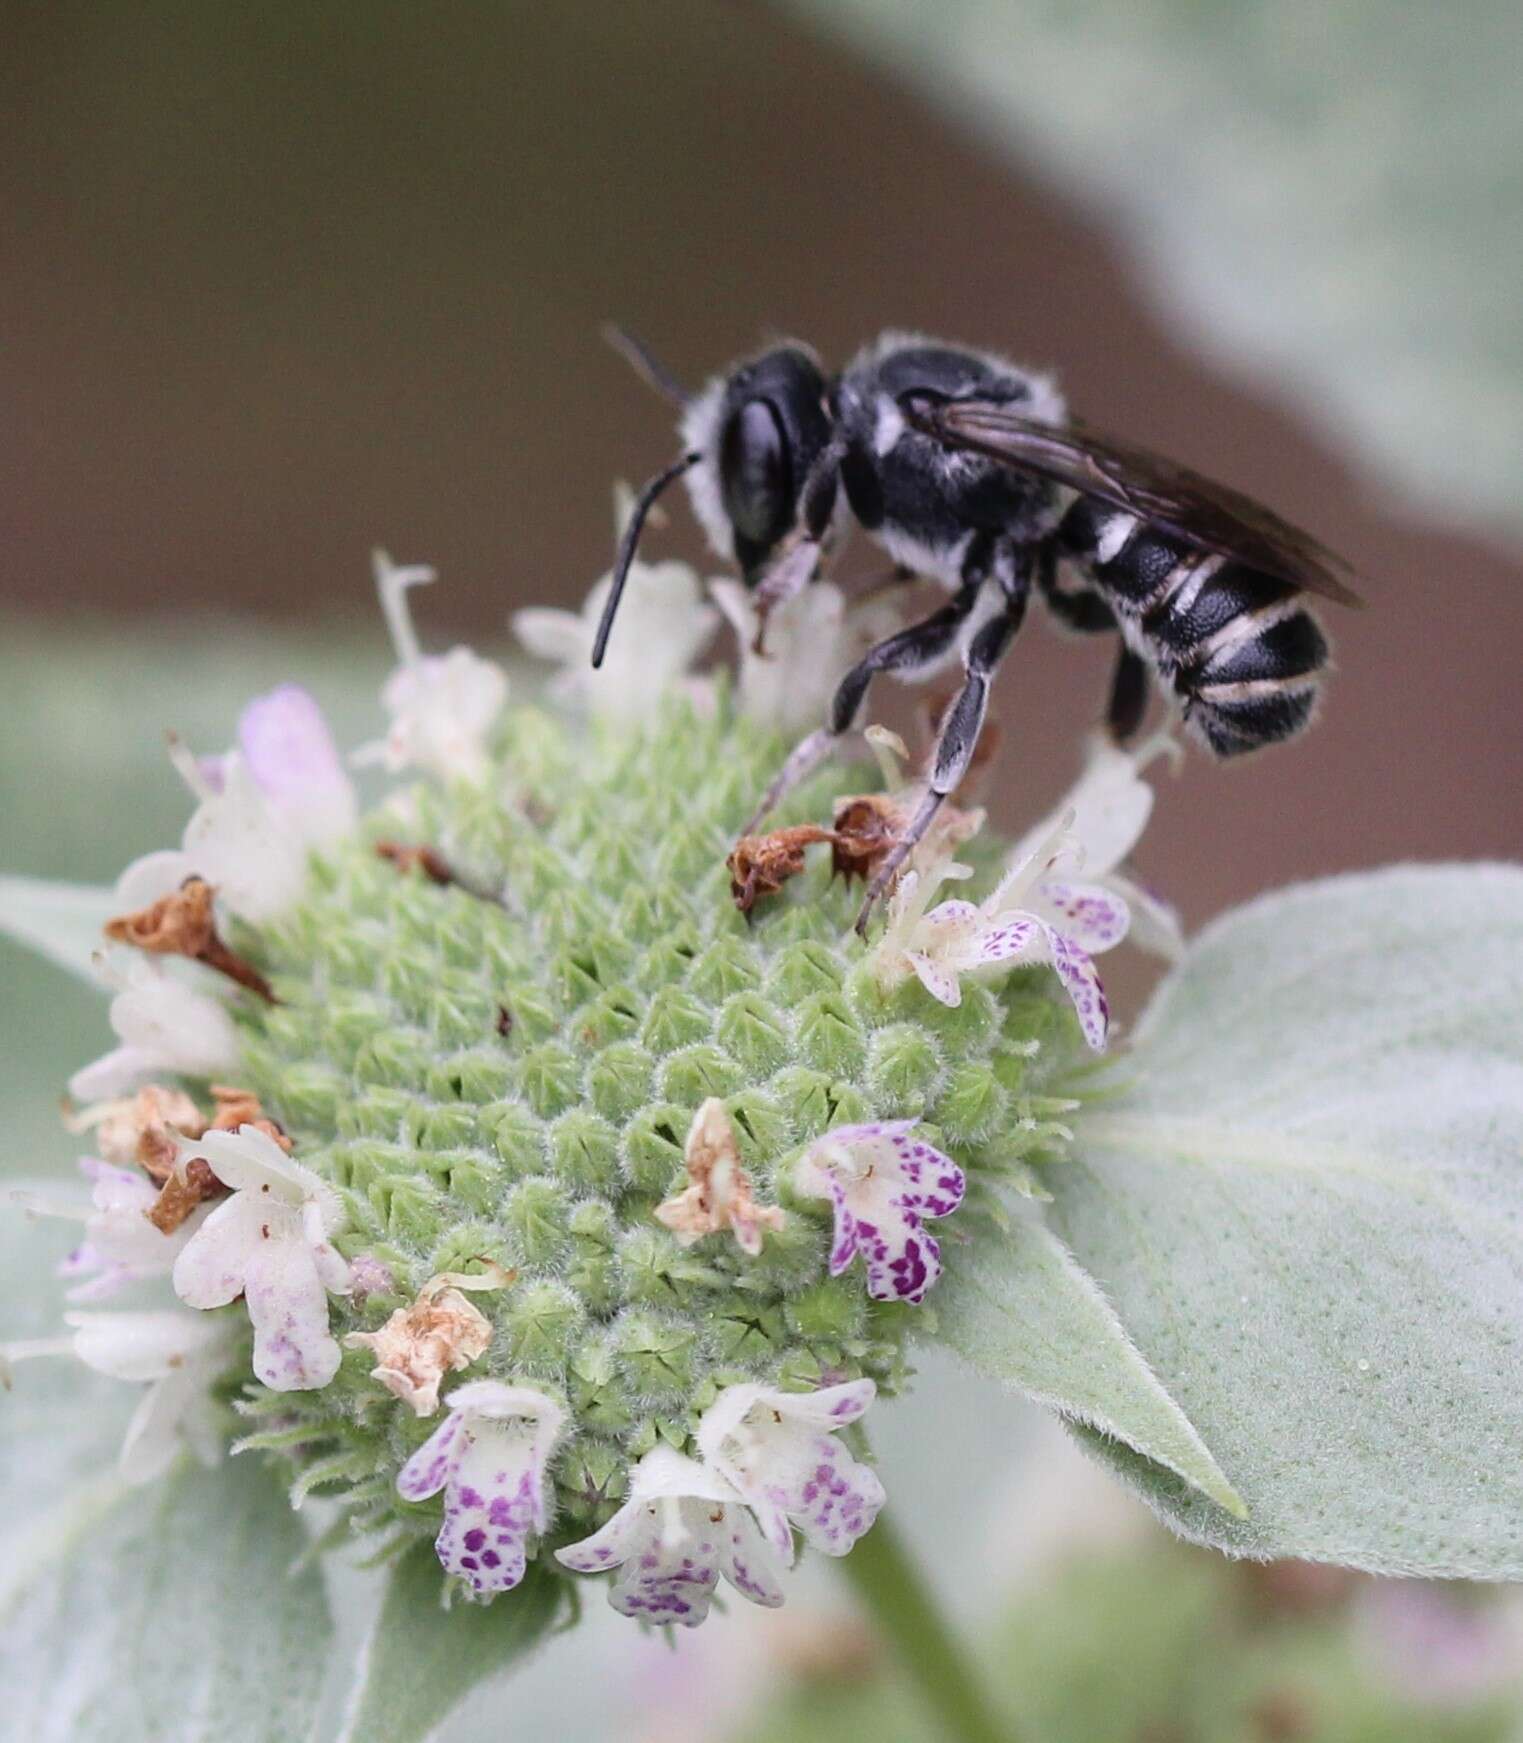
(1322,196)
(59,921)
(1020,1309)
(420,1661)
(1308,1210)
(172,1616)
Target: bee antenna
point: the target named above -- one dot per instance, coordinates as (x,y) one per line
(630,542)
(640,358)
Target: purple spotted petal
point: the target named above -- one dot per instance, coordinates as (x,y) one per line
(900,1259)
(433,1464)
(940,982)
(843,1247)
(829,1495)
(1003,942)
(744,1561)
(1093,918)
(1082,983)
(492,1503)
(932,1183)
(294,1351)
(879,1198)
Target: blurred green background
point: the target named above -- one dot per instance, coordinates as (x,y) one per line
(282,282)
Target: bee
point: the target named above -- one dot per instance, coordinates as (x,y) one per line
(968,471)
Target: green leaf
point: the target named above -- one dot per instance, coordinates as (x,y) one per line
(420,1660)
(1231,153)
(1020,1309)
(60,921)
(166,1615)
(1308,1211)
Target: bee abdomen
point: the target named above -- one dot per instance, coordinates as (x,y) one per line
(1238,647)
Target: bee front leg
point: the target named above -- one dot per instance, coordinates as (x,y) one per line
(959,732)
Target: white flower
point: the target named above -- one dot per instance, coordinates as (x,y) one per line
(442,706)
(779,1452)
(681,1528)
(489,1456)
(178,1356)
(269,1243)
(163,1025)
(263,807)
(1109,806)
(1029,917)
(882,1182)
(662,627)
(812,640)
(121,1245)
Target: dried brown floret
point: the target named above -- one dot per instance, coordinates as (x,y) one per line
(866,826)
(761,864)
(140,1130)
(241,1107)
(440,1333)
(183,923)
(719,1194)
(408,857)
(183,1192)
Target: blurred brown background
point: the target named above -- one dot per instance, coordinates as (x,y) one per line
(280,283)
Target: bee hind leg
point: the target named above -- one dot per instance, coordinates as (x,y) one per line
(958,737)
(1128,700)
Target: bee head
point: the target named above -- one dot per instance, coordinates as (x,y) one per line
(755,434)
(749,440)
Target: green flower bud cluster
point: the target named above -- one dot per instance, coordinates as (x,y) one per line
(503,1068)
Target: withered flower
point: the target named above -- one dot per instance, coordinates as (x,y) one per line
(183,923)
(719,1191)
(140,1130)
(417,857)
(440,1333)
(760,865)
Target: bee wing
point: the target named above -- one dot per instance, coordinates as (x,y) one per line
(1153,489)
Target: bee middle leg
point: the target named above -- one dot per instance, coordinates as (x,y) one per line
(909,651)
(961,724)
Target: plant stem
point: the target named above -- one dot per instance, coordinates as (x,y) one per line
(895,1595)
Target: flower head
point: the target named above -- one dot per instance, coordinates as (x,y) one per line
(442,706)
(664,624)
(779,1452)
(681,1528)
(719,1193)
(1029,917)
(269,1243)
(882,1183)
(489,1457)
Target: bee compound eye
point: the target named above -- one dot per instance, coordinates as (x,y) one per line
(756,473)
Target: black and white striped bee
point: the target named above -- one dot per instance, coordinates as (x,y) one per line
(968,471)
